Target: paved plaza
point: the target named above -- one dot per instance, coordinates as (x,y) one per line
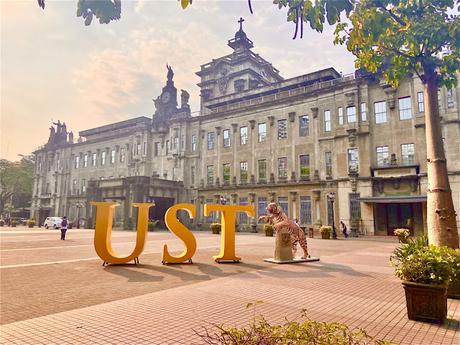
(57,292)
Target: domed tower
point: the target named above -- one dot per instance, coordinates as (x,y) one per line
(229,76)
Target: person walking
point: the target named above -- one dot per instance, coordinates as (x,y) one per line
(344,229)
(64,225)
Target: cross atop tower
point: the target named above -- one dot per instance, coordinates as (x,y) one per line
(241,23)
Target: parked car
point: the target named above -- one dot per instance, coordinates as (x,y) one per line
(52,222)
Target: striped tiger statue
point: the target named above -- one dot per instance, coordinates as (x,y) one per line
(276,217)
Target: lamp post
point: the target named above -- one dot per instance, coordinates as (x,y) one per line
(331,198)
(78,206)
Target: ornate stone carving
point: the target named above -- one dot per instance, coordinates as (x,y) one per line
(271,120)
(252,123)
(292,116)
(315,111)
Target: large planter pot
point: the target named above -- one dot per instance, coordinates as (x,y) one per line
(325,236)
(426,302)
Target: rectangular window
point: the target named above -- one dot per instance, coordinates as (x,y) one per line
(261,206)
(284,204)
(77,162)
(94,159)
(380,110)
(420,102)
(305,210)
(210,174)
(210,140)
(226,173)
(408,154)
(262,169)
(353,160)
(182,142)
(83,186)
(327,120)
(340,115)
(330,212)
(138,149)
(156,149)
(304,161)
(363,112)
(74,188)
(226,137)
(242,216)
(194,142)
(355,206)
(167,147)
(328,160)
(262,127)
(382,155)
(243,135)
(192,175)
(304,126)
(243,172)
(405,108)
(58,163)
(122,155)
(112,157)
(103,156)
(85,160)
(282,129)
(351,114)
(282,167)
(175,143)
(144,149)
(450,98)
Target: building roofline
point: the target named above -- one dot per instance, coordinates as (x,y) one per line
(115,126)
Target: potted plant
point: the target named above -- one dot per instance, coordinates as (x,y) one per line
(30,223)
(268,229)
(2,222)
(403,234)
(14,223)
(326,232)
(215,228)
(152,224)
(426,272)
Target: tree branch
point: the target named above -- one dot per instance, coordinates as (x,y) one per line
(394,16)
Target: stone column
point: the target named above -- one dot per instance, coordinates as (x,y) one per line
(317,199)
(253,221)
(294,205)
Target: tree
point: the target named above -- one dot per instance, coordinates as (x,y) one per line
(394,38)
(16,182)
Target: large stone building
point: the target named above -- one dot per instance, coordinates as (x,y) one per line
(259,138)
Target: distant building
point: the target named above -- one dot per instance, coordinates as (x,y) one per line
(260,138)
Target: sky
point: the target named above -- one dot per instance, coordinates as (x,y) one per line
(54,67)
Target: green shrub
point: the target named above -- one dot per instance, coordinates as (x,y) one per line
(14,223)
(403,234)
(290,332)
(152,224)
(30,223)
(418,262)
(268,229)
(326,231)
(215,228)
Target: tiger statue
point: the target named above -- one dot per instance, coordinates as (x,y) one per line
(276,217)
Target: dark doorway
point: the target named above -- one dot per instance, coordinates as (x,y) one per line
(42,215)
(158,211)
(400,216)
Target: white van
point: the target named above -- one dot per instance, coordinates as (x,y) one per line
(52,222)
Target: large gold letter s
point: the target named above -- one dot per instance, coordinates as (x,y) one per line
(181,231)
(103,232)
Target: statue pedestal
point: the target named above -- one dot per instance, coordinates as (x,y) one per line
(283,251)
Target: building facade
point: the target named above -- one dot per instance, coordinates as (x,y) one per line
(324,146)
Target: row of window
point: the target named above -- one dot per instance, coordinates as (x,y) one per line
(110,156)
(407,155)
(262,171)
(305,209)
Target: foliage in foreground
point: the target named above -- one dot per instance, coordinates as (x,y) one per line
(261,332)
(418,262)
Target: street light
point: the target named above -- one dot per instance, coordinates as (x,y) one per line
(79,206)
(331,197)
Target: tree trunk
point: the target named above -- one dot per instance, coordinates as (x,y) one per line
(441,216)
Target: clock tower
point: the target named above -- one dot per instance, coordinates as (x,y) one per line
(166,103)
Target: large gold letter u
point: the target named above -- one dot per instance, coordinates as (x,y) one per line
(103,232)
